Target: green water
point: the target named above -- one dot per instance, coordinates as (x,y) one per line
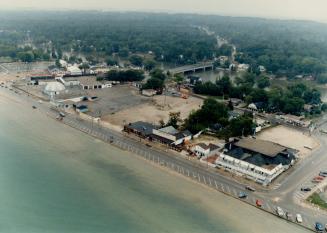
(55,179)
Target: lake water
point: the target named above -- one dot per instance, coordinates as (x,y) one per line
(56,179)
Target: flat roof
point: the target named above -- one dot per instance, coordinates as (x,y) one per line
(169,130)
(267,148)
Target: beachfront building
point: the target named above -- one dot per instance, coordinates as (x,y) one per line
(259,160)
(204,150)
(140,128)
(171,136)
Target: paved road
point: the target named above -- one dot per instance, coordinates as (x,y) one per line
(284,195)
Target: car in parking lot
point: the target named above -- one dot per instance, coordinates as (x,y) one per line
(259,203)
(299,218)
(323,173)
(319,227)
(242,195)
(305,189)
(280,211)
(250,188)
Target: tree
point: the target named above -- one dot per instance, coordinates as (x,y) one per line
(154,83)
(225,84)
(124,52)
(149,64)
(174,119)
(159,74)
(263,82)
(26,56)
(210,113)
(84,66)
(136,60)
(111,61)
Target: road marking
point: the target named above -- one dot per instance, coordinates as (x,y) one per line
(199,177)
(222,187)
(216,185)
(204,180)
(228,189)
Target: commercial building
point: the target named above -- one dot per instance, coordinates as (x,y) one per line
(171,136)
(259,160)
(167,135)
(140,128)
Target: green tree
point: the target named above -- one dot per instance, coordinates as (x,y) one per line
(263,82)
(136,60)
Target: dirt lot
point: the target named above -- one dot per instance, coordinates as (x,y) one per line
(290,138)
(155,109)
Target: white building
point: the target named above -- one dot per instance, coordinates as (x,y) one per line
(243,67)
(203,150)
(74,71)
(249,170)
(259,160)
(54,88)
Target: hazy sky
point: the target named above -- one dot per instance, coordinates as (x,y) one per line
(294,9)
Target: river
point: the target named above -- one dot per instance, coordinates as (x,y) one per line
(56,179)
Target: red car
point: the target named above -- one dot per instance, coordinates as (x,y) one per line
(259,203)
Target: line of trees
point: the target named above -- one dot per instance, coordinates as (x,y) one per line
(290,99)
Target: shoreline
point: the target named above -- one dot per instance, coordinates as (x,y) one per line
(204,181)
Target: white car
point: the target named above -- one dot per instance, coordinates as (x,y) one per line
(280,212)
(299,218)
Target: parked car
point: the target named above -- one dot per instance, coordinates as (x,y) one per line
(319,227)
(305,189)
(323,173)
(299,218)
(34,107)
(319,178)
(259,203)
(280,211)
(242,195)
(250,188)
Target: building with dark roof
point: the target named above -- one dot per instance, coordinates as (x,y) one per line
(256,159)
(140,128)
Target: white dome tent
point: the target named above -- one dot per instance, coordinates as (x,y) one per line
(54,88)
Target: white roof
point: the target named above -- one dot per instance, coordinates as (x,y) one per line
(73,69)
(54,87)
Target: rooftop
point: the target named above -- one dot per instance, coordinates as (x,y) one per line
(143,127)
(267,148)
(169,130)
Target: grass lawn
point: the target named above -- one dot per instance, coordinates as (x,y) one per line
(316,199)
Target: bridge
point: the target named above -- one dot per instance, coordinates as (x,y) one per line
(192,68)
